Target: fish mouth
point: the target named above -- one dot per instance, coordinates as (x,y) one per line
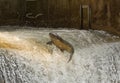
(51,35)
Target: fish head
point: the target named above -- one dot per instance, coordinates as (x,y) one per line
(52,35)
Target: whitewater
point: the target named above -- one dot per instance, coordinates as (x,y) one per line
(26,58)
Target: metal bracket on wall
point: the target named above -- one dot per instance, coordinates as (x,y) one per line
(83,7)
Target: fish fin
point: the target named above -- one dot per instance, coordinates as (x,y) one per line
(71,56)
(61,50)
(50,42)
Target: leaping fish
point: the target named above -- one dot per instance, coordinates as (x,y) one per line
(61,44)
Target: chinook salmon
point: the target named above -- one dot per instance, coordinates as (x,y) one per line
(61,44)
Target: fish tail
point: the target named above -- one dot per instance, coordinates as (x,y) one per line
(71,55)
